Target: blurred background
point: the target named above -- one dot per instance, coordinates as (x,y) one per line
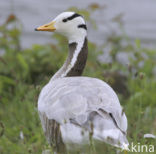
(122,52)
(138,17)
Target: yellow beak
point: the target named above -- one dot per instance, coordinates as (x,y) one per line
(47,27)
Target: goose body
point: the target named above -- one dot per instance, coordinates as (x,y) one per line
(72,107)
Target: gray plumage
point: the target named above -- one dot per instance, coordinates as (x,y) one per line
(73,107)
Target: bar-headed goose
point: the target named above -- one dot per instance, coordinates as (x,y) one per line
(72,107)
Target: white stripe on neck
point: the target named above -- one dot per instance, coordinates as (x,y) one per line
(79,46)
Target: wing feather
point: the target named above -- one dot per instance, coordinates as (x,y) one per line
(75,98)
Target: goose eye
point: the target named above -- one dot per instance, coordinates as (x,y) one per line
(64,20)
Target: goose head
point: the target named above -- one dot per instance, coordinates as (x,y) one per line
(69,24)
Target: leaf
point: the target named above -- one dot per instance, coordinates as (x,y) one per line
(23,63)
(138,43)
(5,79)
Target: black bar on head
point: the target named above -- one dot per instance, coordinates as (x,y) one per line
(82,26)
(75,15)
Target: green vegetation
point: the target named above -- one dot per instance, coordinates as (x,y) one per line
(23,72)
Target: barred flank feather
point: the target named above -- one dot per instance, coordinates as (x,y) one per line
(53,134)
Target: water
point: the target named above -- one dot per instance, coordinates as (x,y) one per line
(139,18)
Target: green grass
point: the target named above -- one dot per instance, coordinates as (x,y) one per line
(24,72)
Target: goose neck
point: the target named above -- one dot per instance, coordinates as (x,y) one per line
(75,61)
